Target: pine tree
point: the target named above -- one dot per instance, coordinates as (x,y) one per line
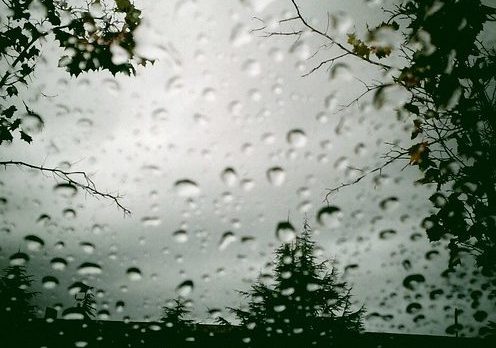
(305,303)
(15,296)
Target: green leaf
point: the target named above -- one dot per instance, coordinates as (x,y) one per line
(12,90)
(14,125)
(26,137)
(5,134)
(9,112)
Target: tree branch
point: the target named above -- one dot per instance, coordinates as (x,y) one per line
(78,179)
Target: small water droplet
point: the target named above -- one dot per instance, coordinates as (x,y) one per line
(187,188)
(389,203)
(180,236)
(276,176)
(226,239)
(387,234)
(87,247)
(229,177)
(151,221)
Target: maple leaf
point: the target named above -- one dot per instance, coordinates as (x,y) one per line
(418,152)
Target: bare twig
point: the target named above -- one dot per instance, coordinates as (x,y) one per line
(379,169)
(337,43)
(78,179)
(331,60)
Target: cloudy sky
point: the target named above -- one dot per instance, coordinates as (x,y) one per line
(211,147)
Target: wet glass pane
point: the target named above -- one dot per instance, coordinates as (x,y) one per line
(170,189)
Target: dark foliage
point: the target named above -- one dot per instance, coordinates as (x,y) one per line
(304,304)
(16,298)
(90,35)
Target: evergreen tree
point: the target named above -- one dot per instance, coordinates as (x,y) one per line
(15,296)
(177,327)
(305,304)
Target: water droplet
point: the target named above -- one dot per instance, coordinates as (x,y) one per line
(330,216)
(413,308)
(276,176)
(134,274)
(44,220)
(18,259)
(410,282)
(119,306)
(73,314)
(185,288)
(387,234)
(389,203)
(180,236)
(229,177)
(50,282)
(187,188)
(285,232)
(87,247)
(65,190)
(151,221)
(252,67)
(34,243)
(69,213)
(88,268)
(297,138)
(58,264)
(226,239)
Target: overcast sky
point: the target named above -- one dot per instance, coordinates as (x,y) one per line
(211,147)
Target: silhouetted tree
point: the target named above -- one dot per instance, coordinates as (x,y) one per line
(94,34)
(16,307)
(304,304)
(176,325)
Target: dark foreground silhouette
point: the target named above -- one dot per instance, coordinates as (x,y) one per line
(96,333)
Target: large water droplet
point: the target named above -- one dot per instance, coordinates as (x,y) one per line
(134,274)
(65,190)
(34,243)
(330,216)
(285,232)
(18,259)
(88,268)
(187,188)
(58,264)
(410,282)
(276,176)
(49,282)
(297,138)
(73,314)
(185,288)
